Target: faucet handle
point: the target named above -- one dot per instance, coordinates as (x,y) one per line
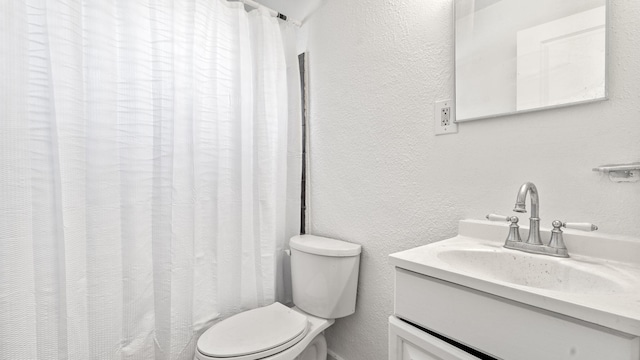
(580,226)
(514,229)
(496,217)
(556,243)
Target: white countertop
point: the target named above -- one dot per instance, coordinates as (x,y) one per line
(614,258)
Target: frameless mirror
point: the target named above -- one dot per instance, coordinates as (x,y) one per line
(523,55)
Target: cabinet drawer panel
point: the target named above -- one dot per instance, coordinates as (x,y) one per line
(410,352)
(407,342)
(505,328)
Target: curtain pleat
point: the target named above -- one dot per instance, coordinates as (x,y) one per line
(146,173)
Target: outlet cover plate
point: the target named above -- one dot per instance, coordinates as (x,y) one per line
(444,119)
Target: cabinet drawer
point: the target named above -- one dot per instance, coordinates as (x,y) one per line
(407,342)
(504,328)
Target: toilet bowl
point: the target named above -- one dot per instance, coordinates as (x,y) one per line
(324,281)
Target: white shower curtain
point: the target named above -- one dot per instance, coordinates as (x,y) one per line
(148,176)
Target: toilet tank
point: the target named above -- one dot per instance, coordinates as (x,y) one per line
(324,275)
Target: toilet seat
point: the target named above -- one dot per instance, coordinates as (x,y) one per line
(254,334)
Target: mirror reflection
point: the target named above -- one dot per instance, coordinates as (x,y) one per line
(523,55)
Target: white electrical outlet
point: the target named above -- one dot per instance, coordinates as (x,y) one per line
(444,119)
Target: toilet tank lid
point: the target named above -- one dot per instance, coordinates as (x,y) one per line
(319,245)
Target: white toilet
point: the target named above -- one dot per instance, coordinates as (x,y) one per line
(324,277)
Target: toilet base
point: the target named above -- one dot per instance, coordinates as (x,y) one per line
(316,350)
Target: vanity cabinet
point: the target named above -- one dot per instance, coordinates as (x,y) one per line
(495,326)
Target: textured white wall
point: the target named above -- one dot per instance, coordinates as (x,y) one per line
(379,176)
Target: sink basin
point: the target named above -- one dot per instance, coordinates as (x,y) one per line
(598,283)
(538,271)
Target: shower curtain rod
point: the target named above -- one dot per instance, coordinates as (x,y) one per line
(272,12)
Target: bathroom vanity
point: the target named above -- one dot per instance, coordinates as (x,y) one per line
(468,297)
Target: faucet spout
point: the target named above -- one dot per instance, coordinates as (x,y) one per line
(534,220)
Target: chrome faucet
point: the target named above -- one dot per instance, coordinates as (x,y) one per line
(534,220)
(555,246)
